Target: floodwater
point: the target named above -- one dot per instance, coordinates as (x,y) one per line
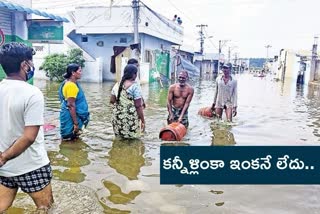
(99,174)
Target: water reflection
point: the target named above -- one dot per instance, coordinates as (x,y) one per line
(300,91)
(313,109)
(70,158)
(126,157)
(117,196)
(127,179)
(221,134)
(157,96)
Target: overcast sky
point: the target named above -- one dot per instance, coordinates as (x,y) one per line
(249,25)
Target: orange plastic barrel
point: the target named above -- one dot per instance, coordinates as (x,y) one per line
(173,132)
(206,112)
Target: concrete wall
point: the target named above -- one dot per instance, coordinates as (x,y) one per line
(109,41)
(289,65)
(119,19)
(105,52)
(153,43)
(92,72)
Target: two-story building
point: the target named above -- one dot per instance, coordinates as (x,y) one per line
(105,34)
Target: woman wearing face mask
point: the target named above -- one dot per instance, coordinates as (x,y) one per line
(74,113)
(127,105)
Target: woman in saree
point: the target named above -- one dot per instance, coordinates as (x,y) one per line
(74,113)
(127,118)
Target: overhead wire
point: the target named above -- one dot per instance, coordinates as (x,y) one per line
(206,33)
(154,25)
(180,11)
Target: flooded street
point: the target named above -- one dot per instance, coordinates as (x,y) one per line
(98,174)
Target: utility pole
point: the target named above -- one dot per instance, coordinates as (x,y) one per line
(267,47)
(221,44)
(136,51)
(135,7)
(202,26)
(229,52)
(314,57)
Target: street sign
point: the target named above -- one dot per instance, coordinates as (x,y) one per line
(45,31)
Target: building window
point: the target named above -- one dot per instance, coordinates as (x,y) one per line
(123,40)
(100,43)
(84,39)
(148,56)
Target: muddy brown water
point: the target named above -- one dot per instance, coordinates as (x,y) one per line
(99,174)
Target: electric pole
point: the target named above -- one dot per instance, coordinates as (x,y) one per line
(221,44)
(314,57)
(229,52)
(202,26)
(135,7)
(267,47)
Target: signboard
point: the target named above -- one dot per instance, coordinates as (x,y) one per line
(45,31)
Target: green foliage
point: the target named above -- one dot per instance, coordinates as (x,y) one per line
(76,56)
(55,65)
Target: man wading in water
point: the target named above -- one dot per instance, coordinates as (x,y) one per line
(226,94)
(179,98)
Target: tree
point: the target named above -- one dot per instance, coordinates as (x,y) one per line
(76,56)
(55,64)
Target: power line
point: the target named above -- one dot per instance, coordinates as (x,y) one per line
(75,3)
(202,26)
(180,11)
(210,40)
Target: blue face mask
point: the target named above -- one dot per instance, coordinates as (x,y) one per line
(30,73)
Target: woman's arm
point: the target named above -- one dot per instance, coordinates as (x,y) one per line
(113,99)
(71,102)
(139,108)
(138,102)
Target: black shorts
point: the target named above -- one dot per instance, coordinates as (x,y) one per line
(30,182)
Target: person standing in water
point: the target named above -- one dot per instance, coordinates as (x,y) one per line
(225,96)
(179,98)
(24,161)
(126,100)
(74,113)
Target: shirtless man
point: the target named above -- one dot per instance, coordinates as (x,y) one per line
(179,98)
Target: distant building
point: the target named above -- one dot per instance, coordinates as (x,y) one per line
(208,63)
(287,65)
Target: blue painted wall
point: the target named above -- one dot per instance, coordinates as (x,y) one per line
(111,40)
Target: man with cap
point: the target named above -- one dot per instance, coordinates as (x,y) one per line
(225,96)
